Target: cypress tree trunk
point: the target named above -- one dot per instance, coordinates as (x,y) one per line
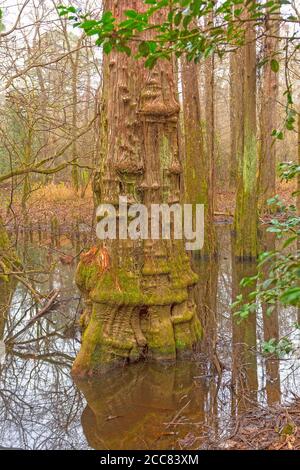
(8,262)
(8,257)
(210,110)
(236,113)
(268,118)
(246,217)
(4,239)
(75,65)
(298,189)
(298,178)
(139,294)
(197,164)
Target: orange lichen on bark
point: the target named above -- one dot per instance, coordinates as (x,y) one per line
(98,256)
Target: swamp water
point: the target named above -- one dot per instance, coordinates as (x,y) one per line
(189,405)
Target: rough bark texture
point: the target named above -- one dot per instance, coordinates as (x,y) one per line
(298,192)
(246,218)
(139,294)
(8,260)
(4,239)
(209,75)
(197,164)
(8,257)
(236,113)
(75,64)
(298,178)
(268,118)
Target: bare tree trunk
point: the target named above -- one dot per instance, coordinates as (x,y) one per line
(236,113)
(210,118)
(8,263)
(246,217)
(8,257)
(298,189)
(140,296)
(298,178)
(268,118)
(210,138)
(4,239)
(27,160)
(197,164)
(75,63)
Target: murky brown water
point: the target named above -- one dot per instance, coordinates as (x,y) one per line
(146,406)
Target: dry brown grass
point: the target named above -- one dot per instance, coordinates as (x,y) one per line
(53,201)
(60,201)
(59,192)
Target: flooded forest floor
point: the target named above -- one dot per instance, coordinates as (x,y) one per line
(58,204)
(219,400)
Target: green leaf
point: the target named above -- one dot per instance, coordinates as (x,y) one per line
(123,48)
(178,18)
(131,13)
(144,48)
(150,62)
(107,47)
(289,241)
(291,296)
(278,134)
(275,65)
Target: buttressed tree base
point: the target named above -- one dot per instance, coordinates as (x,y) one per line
(139,294)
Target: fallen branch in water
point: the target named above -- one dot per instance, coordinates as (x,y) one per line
(49,305)
(174,420)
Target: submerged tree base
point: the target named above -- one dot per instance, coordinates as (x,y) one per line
(149,394)
(131,316)
(139,293)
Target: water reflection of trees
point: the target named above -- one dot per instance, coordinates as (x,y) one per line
(39,405)
(145,407)
(189,405)
(271,330)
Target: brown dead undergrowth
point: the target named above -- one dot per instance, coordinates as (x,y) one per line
(273,428)
(61,203)
(54,203)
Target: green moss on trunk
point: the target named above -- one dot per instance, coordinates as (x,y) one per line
(132,286)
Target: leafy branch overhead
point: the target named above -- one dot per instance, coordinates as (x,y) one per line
(195,29)
(182,30)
